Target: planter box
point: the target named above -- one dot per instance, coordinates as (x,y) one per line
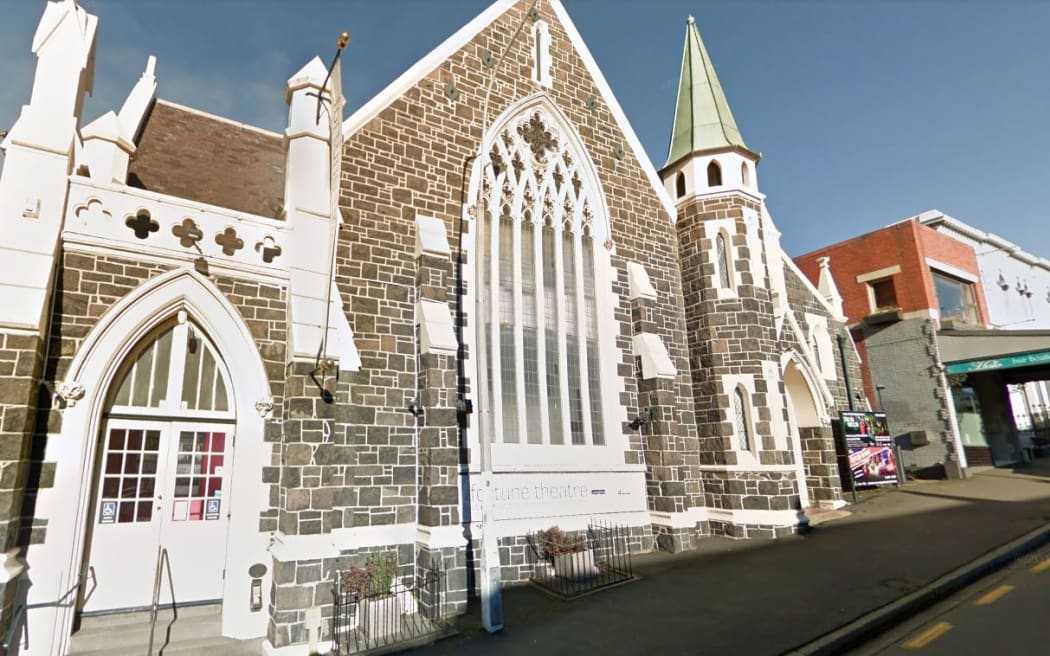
(380,617)
(578,566)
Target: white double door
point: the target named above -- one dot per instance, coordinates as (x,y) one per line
(160,485)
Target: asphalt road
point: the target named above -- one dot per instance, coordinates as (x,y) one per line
(1005,613)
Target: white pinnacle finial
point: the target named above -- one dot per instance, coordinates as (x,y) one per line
(691,20)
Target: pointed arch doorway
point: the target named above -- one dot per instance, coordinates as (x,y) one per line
(164,474)
(804,417)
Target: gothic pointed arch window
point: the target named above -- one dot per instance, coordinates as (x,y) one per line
(679,184)
(714,174)
(722,260)
(745,174)
(175,372)
(742,419)
(542,239)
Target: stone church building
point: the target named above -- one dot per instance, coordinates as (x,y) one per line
(199,356)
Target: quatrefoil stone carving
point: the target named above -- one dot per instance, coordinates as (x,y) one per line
(268,248)
(188,233)
(229,241)
(142,224)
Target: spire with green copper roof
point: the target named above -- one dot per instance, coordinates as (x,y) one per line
(702,119)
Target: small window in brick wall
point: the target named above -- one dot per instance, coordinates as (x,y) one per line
(883,295)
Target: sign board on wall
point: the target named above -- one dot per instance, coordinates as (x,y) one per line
(545,495)
(872,459)
(1007,362)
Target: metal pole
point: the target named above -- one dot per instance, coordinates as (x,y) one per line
(491,587)
(845,369)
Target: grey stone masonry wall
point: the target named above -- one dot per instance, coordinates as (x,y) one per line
(801,300)
(21,359)
(299,585)
(671,456)
(818,444)
(408,161)
(903,357)
(822,469)
(729,336)
(439,444)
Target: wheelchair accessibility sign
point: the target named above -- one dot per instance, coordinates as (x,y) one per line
(211,509)
(109,512)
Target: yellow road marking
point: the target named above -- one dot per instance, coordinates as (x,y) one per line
(1041,566)
(929,635)
(993,596)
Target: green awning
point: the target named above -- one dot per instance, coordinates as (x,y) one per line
(1005,362)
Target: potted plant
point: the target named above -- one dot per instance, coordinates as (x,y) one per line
(569,554)
(379,610)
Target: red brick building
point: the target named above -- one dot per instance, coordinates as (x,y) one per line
(900,285)
(895,268)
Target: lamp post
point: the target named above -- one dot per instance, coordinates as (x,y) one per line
(489,565)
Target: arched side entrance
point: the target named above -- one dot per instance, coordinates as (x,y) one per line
(70,506)
(808,421)
(163,478)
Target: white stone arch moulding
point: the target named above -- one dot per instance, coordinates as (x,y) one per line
(818,389)
(600,225)
(90,376)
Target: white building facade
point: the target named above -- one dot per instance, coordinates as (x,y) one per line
(1016,287)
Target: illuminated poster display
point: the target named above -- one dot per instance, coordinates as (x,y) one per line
(871,456)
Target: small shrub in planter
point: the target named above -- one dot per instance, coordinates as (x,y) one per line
(570,555)
(379,611)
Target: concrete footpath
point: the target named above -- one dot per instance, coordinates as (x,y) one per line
(775,597)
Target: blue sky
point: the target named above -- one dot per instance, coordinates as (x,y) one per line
(865,112)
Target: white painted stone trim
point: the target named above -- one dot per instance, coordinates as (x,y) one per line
(747,468)
(791,266)
(431,237)
(879,274)
(441,537)
(638,282)
(805,362)
(727,227)
(761,517)
(221,119)
(437,331)
(730,382)
(656,362)
(824,359)
(952,271)
(59,560)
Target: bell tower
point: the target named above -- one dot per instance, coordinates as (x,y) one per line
(732,279)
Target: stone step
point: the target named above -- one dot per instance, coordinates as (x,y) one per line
(193,630)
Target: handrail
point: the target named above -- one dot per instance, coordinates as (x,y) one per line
(162,559)
(18,620)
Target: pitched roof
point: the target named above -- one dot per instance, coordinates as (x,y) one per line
(189,154)
(702,119)
(424,66)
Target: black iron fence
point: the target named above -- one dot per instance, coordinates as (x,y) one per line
(412,613)
(570,566)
